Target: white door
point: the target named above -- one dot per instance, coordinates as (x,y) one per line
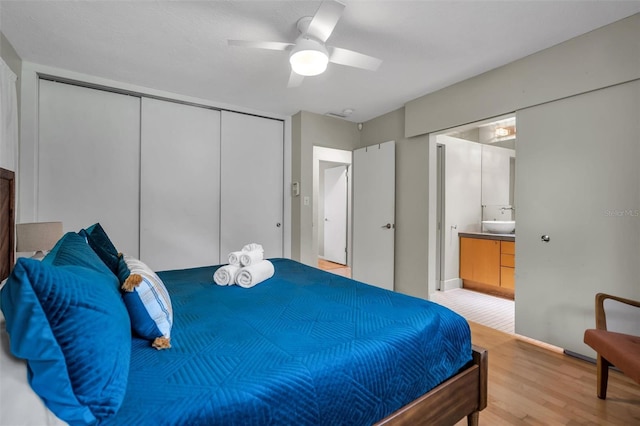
(374,214)
(89,160)
(335,214)
(252,179)
(180,185)
(578,198)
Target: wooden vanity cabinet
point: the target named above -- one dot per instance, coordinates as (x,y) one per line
(488,265)
(507,264)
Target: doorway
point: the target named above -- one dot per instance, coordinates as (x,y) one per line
(472,175)
(332,171)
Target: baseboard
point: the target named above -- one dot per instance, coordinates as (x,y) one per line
(451,284)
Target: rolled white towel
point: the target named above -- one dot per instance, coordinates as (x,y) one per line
(255,274)
(226,275)
(253,247)
(249,258)
(234,257)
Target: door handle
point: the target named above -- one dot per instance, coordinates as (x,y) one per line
(545,238)
(388,226)
(278,225)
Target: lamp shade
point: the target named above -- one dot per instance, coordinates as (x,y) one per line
(39,236)
(309,57)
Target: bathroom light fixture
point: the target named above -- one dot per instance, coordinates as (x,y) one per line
(502,132)
(309,57)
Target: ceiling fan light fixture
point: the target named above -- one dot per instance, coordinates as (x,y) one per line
(309,57)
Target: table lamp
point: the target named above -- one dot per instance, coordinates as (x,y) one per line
(37,237)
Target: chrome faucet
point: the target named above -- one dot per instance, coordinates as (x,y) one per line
(502,209)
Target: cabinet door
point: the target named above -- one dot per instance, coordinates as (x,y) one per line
(252,173)
(480,260)
(180,185)
(89,160)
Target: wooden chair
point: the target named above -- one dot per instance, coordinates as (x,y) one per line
(617,349)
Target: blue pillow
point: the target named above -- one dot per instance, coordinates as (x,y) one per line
(147,301)
(102,245)
(71,326)
(72,249)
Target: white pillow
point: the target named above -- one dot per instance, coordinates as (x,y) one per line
(20,404)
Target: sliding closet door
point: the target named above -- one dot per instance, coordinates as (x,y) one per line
(88,160)
(251,184)
(180,185)
(578,225)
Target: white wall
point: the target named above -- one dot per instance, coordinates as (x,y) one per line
(12,67)
(463,199)
(496,182)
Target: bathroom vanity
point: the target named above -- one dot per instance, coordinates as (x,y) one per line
(487,262)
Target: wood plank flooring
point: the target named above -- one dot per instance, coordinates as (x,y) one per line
(532,385)
(334,268)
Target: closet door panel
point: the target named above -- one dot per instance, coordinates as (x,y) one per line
(88,160)
(252,184)
(180,185)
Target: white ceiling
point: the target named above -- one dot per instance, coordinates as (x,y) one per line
(181,46)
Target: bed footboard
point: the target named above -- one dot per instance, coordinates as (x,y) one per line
(463,395)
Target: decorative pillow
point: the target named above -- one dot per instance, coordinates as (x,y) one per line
(102,245)
(147,301)
(72,249)
(72,328)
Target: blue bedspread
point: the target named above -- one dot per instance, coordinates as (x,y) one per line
(303,348)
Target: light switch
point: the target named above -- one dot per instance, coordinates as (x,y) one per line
(306,201)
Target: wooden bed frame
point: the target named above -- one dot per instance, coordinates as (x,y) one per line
(463,395)
(7,225)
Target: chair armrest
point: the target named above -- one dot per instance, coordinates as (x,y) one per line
(601,318)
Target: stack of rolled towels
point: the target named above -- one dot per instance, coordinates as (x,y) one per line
(246,267)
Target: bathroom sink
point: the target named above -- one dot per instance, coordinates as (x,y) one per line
(499,226)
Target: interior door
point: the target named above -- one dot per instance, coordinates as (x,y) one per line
(335,214)
(374,214)
(252,184)
(578,201)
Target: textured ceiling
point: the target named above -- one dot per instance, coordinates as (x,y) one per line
(181,46)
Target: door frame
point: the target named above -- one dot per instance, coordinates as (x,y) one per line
(340,157)
(343,214)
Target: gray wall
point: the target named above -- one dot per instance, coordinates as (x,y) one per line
(309,130)
(411,212)
(603,57)
(600,58)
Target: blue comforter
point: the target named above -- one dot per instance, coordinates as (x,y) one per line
(303,348)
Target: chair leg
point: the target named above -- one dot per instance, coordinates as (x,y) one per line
(603,376)
(473,418)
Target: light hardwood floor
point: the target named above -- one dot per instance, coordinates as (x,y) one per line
(532,385)
(334,268)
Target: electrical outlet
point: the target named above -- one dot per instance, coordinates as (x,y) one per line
(306,201)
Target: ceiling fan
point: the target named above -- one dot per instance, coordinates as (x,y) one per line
(309,55)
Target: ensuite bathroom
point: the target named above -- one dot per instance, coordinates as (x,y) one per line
(477,212)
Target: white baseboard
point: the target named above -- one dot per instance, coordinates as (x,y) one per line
(451,284)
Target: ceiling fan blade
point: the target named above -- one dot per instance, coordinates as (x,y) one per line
(350,58)
(295,79)
(325,19)
(270,45)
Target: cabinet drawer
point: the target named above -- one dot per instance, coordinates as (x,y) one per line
(507,247)
(507,260)
(507,277)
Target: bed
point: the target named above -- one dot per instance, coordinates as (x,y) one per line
(304,347)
